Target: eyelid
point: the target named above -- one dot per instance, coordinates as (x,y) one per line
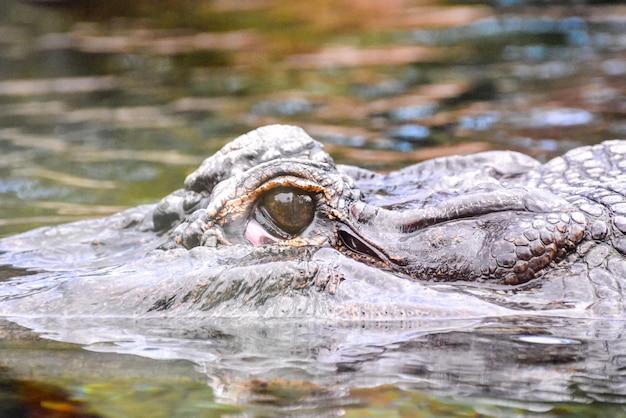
(257,235)
(306,186)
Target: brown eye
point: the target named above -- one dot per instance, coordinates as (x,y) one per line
(285,211)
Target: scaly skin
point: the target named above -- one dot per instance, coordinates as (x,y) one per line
(479,235)
(507,220)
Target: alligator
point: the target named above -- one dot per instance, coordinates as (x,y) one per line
(271,226)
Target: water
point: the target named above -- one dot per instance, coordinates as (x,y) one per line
(108,106)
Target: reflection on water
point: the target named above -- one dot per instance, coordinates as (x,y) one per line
(276,368)
(109,104)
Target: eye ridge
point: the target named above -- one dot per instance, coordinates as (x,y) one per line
(285,211)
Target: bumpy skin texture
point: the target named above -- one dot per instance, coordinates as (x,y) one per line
(487,234)
(499,217)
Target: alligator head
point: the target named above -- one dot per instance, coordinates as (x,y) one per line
(454,219)
(270,226)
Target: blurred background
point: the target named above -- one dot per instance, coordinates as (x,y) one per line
(107,104)
(111,103)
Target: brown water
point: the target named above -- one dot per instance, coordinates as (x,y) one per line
(106,105)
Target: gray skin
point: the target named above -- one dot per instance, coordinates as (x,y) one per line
(485,234)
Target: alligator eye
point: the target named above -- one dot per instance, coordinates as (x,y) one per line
(285,211)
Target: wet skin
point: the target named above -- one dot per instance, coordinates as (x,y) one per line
(499,226)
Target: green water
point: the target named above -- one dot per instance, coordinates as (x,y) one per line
(107,105)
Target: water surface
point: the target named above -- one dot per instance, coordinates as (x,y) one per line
(108,106)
